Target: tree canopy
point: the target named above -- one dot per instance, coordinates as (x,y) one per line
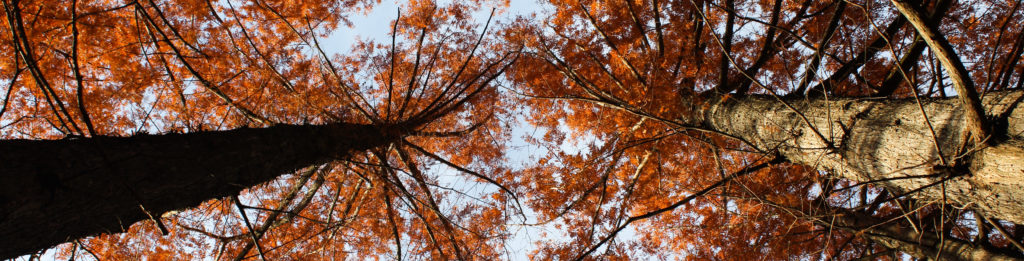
(694,129)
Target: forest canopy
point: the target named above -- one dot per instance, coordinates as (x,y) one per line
(474,130)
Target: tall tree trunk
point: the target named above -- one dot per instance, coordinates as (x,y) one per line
(890,142)
(58,190)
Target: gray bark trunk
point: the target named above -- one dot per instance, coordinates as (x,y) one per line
(53,191)
(889,141)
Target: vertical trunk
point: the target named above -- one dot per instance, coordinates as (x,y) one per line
(55,191)
(889,142)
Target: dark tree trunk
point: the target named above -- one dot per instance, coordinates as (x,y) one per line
(53,191)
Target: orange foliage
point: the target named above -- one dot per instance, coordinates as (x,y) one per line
(629,80)
(184,66)
(614,87)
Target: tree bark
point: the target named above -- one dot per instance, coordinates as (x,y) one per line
(52,191)
(890,143)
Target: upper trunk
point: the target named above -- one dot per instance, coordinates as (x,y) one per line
(53,191)
(890,142)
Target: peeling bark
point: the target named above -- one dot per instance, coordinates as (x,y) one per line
(889,142)
(52,191)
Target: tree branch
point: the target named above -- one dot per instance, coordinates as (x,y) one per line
(962,83)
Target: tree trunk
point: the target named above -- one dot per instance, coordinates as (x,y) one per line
(54,191)
(889,142)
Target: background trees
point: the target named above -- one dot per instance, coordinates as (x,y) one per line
(711,129)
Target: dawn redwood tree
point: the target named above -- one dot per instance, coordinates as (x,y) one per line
(126,115)
(779,129)
(726,129)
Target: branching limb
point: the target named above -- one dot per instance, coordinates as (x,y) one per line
(252,233)
(206,83)
(23,48)
(687,199)
(272,219)
(950,61)
(811,72)
(78,72)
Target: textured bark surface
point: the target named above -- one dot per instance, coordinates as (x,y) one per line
(889,141)
(55,191)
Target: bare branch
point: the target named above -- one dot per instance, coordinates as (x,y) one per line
(687,199)
(950,61)
(252,233)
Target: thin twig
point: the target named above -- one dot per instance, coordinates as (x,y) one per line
(77,71)
(1003,232)
(252,233)
(920,106)
(687,199)
(207,84)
